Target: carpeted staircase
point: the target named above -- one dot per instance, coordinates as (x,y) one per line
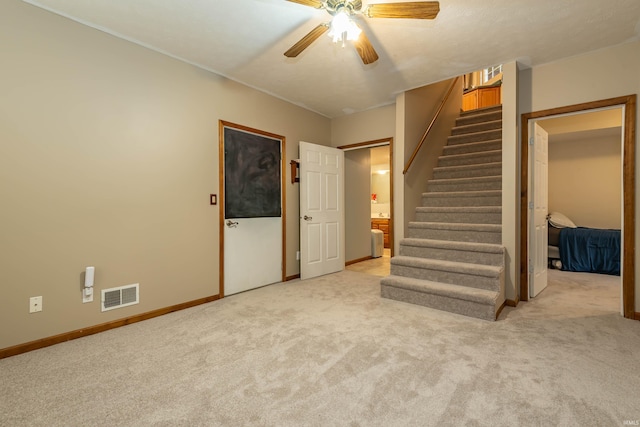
(453,258)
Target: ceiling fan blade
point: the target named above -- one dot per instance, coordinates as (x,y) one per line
(365,49)
(412,9)
(304,42)
(313,3)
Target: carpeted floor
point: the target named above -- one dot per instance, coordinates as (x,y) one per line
(377,266)
(331,352)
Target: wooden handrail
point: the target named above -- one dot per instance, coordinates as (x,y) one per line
(426,132)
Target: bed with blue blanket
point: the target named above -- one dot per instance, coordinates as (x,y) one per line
(591,250)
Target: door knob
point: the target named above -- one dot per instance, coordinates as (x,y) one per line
(308,218)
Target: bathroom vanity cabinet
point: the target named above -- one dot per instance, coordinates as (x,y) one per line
(382,224)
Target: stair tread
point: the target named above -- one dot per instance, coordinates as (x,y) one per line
(487,165)
(451,266)
(470,193)
(455,226)
(472,144)
(478,117)
(484,123)
(443,289)
(481,110)
(452,244)
(469,134)
(474,154)
(466,179)
(459,209)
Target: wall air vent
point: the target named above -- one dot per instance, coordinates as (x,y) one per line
(122,296)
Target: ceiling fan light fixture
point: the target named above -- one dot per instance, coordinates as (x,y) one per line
(343,28)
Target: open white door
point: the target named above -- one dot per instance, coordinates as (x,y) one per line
(321,210)
(538,210)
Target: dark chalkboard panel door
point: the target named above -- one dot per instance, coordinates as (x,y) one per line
(252,208)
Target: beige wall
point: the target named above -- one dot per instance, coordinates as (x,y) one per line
(510,180)
(585,180)
(370,125)
(580,79)
(420,106)
(108,154)
(357,179)
(381,185)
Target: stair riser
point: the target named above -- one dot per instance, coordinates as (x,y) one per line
(460,217)
(477,147)
(466,186)
(443,303)
(475,159)
(450,277)
(472,257)
(432,200)
(451,173)
(477,127)
(479,118)
(456,235)
(474,137)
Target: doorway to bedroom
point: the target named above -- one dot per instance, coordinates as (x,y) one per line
(589,183)
(585,206)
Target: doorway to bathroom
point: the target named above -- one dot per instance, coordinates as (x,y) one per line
(368,202)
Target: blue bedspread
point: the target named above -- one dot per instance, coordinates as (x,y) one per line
(591,250)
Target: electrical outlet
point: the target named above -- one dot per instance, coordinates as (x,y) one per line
(87,295)
(35,304)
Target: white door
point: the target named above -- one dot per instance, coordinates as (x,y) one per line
(252,209)
(321,210)
(252,253)
(538,210)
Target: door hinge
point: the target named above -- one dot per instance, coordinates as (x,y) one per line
(530,266)
(531,141)
(530,205)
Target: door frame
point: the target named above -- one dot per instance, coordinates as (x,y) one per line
(283,198)
(379,143)
(628,192)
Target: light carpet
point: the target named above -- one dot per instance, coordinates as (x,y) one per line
(330,352)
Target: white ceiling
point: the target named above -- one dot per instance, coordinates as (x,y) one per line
(244,40)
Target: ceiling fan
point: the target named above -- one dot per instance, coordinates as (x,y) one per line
(343,28)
